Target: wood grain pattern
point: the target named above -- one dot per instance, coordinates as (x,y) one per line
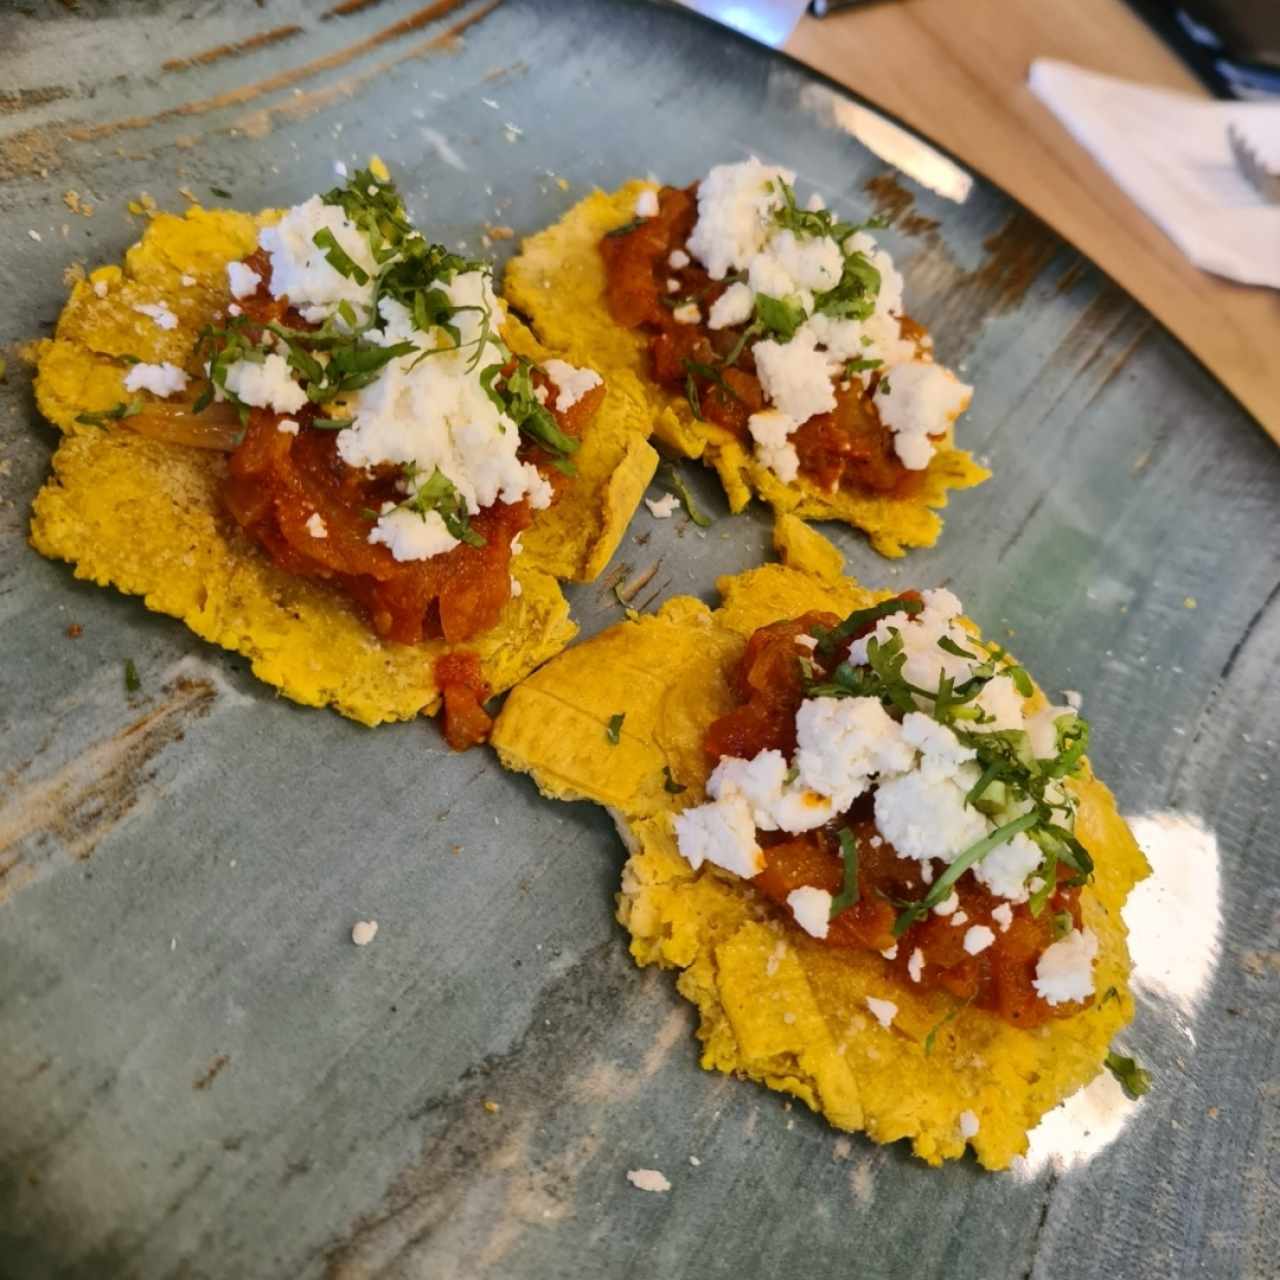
(956,70)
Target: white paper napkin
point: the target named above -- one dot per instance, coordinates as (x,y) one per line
(1169,152)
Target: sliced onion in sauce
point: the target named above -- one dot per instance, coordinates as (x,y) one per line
(217,427)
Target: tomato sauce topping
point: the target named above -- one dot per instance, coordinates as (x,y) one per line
(278,482)
(847,448)
(770,683)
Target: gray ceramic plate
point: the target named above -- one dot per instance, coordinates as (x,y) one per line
(200,1076)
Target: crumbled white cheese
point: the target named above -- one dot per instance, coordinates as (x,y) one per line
(288,425)
(776,805)
(813,262)
(687,313)
(842,743)
(410,536)
(677,259)
(924,815)
(890,953)
(1065,971)
(673,285)
(958,919)
(807,642)
(723,833)
(517,587)
(812,909)
(662,508)
(299,268)
(733,306)
(942,753)
(795,377)
(234,309)
(1003,916)
(648,1180)
(948,905)
(917,401)
(978,938)
(1005,869)
(188,281)
(571,383)
(100,288)
(269,385)
(316,526)
(647,203)
(1073,699)
(340,169)
(884,1010)
(363,932)
(160,379)
(736,204)
(244,280)
(158,312)
(968,1123)
(771,431)
(1042,729)
(915,965)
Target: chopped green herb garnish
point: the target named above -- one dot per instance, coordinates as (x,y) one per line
(781,317)
(331,424)
(861,365)
(849,892)
(942,1022)
(114,414)
(338,258)
(221,193)
(131,681)
(4,368)
(669,784)
(613,731)
(941,888)
(1062,924)
(515,395)
(1134,1080)
(1111,993)
(830,641)
(626,229)
(695,369)
(439,494)
(675,482)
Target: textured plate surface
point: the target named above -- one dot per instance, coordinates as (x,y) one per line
(200,1076)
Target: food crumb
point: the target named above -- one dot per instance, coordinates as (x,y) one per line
(363,932)
(693,1160)
(75,631)
(491,1107)
(648,1180)
(1189,602)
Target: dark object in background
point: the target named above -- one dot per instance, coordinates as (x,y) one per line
(1232,45)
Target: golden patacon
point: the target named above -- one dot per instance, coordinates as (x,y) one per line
(872,850)
(772,340)
(320,440)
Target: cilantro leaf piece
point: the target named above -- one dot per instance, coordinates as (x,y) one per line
(781,317)
(862,365)
(331,424)
(514,394)
(831,640)
(974,854)
(221,192)
(849,892)
(626,229)
(1134,1080)
(132,681)
(676,484)
(125,409)
(338,258)
(439,494)
(613,731)
(942,1022)
(669,784)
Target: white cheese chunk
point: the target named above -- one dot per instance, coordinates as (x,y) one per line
(410,536)
(795,377)
(677,259)
(776,805)
(1042,729)
(734,306)
(571,383)
(1065,971)
(188,281)
(316,526)
(977,938)
(269,385)
(736,204)
(160,379)
(721,832)
(687,313)
(813,262)
(100,288)
(1003,916)
(647,203)
(842,743)
(812,909)
(771,431)
(363,932)
(288,425)
(662,508)
(1005,869)
(244,280)
(917,401)
(915,965)
(884,1010)
(158,312)
(299,269)
(948,905)
(924,815)
(968,1123)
